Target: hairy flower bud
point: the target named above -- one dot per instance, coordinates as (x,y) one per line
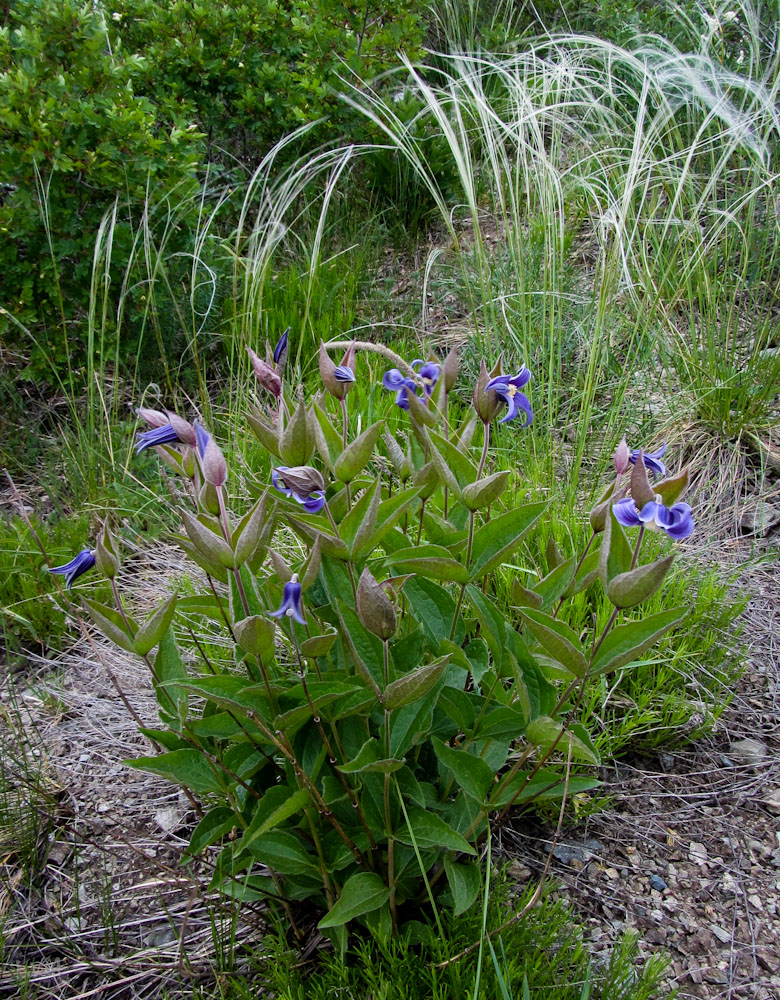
(450,369)
(337,379)
(301,479)
(622,457)
(486,401)
(267,376)
(106,558)
(374,607)
(212,461)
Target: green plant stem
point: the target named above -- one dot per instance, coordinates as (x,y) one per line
(577,568)
(459,604)
(485,445)
(344,422)
(320,855)
(227,532)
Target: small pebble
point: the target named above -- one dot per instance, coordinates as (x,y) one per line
(656,882)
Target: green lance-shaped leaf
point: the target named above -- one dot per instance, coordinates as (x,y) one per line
(629,589)
(560,641)
(615,552)
(207,564)
(309,528)
(155,626)
(426,480)
(328,439)
(208,499)
(495,541)
(112,625)
(209,542)
(283,852)
(266,433)
(522,597)
(443,469)
(170,669)
(483,492)
(553,554)
(246,536)
(186,767)
(628,642)
(319,645)
(255,635)
(390,513)
(276,806)
(413,686)
(217,822)
(367,760)
(471,773)
(464,882)
(544,731)
(455,455)
(363,892)
(296,442)
(422,414)
(428,830)
(361,520)
(555,584)
(311,568)
(672,488)
(432,561)
(357,454)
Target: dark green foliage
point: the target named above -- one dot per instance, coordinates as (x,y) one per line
(249,73)
(76,142)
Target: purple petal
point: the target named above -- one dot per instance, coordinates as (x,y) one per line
(516,402)
(682,522)
(202,437)
(79,564)
(521,379)
(281,346)
(497,383)
(314,503)
(343,373)
(393,380)
(649,514)
(156,436)
(652,460)
(277,482)
(626,513)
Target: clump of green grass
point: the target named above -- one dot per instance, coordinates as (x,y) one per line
(540,956)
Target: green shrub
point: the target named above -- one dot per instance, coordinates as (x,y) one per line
(249,73)
(76,142)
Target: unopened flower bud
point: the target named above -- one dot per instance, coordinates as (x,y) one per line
(301,479)
(337,379)
(486,401)
(450,369)
(374,607)
(622,457)
(267,376)
(106,558)
(212,461)
(152,418)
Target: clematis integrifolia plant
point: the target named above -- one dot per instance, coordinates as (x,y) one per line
(401,717)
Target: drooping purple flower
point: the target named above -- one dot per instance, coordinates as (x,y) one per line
(154,437)
(507,387)
(78,565)
(166,428)
(312,500)
(429,373)
(651,459)
(676,520)
(394,379)
(291,605)
(281,346)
